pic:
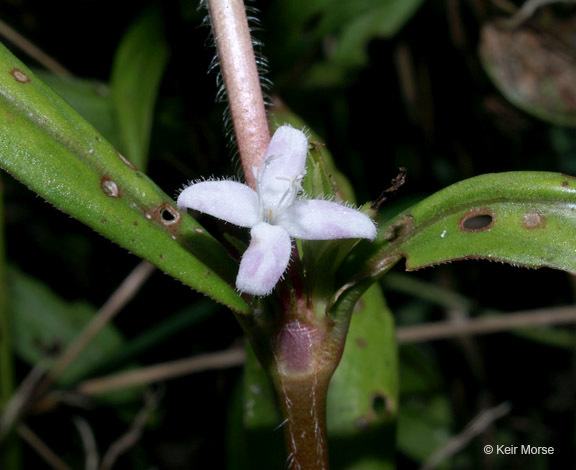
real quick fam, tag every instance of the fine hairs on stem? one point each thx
(240, 72)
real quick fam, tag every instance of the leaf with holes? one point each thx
(523, 218)
(363, 394)
(49, 147)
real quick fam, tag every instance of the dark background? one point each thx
(458, 126)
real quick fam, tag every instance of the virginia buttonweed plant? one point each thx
(303, 286)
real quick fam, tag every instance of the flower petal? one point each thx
(265, 260)
(324, 220)
(284, 163)
(228, 200)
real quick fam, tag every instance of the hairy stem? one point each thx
(238, 65)
(303, 403)
(305, 353)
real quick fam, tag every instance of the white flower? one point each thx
(276, 212)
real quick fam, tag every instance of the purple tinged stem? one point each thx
(238, 65)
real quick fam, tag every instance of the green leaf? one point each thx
(317, 182)
(420, 374)
(258, 442)
(138, 67)
(44, 324)
(236, 451)
(371, 19)
(424, 426)
(90, 98)
(523, 218)
(424, 416)
(363, 394)
(348, 26)
(48, 146)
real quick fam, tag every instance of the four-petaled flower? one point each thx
(275, 212)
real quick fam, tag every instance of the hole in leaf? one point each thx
(168, 214)
(477, 221)
(379, 404)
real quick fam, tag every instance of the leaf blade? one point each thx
(533, 221)
(42, 321)
(48, 146)
(138, 67)
(362, 401)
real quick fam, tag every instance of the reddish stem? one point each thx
(303, 403)
(238, 65)
(302, 357)
(305, 354)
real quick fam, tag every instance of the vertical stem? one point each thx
(303, 403)
(238, 65)
(305, 353)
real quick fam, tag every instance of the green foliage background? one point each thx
(386, 84)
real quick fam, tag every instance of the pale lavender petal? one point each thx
(324, 220)
(228, 200)
(265, 260)
(285, 162)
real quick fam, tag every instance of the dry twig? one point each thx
(408, 334)
(133, 434)
(41, 448)
(123, 294)
(32, 50)
(485, 325)
(169, 370)
(529, 8)
(14, 407)
(89, 443)
(476, 427)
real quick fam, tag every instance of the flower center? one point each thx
(287, 199)
(269, 212)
